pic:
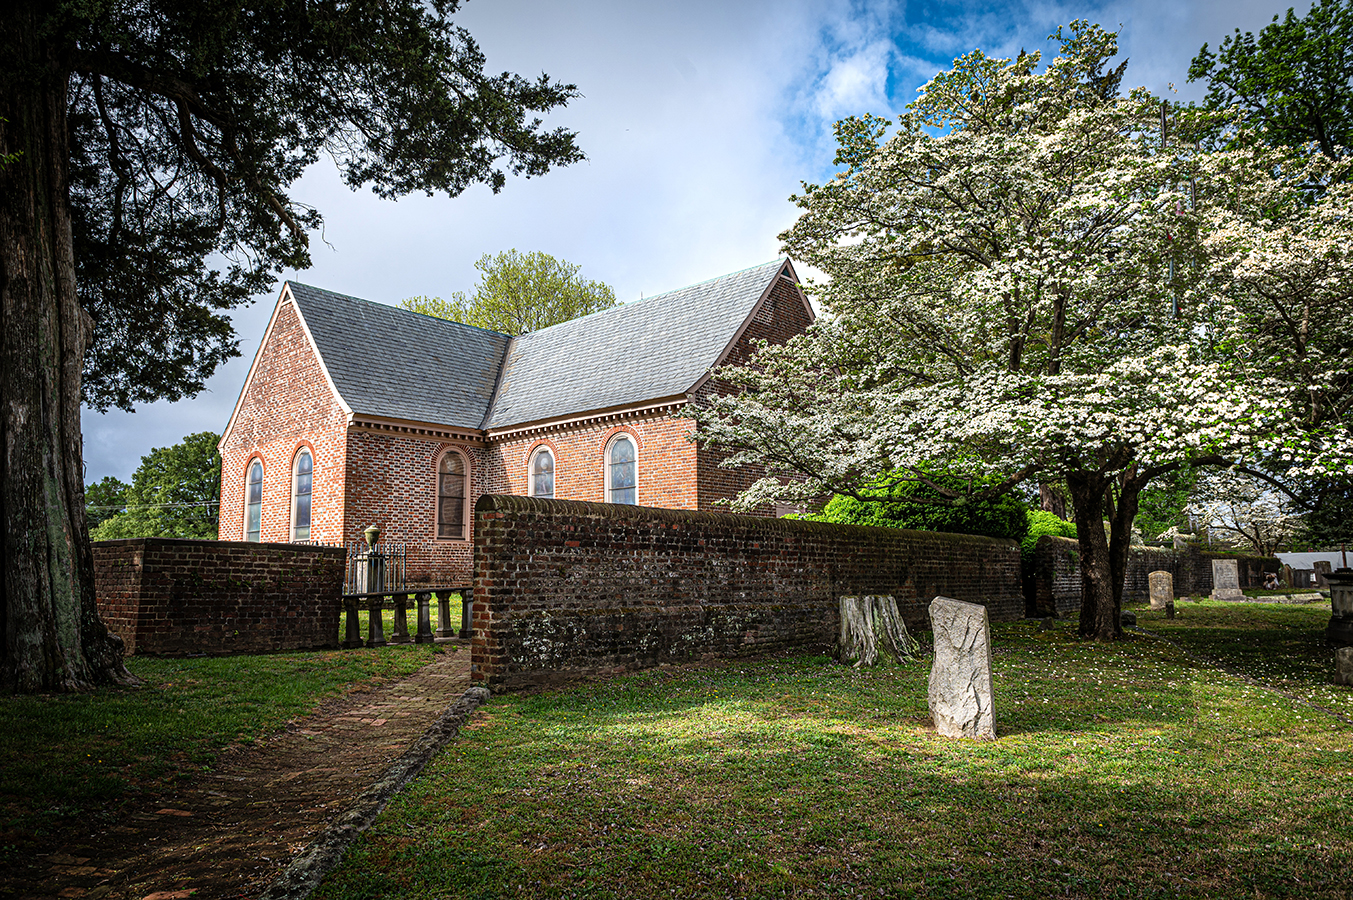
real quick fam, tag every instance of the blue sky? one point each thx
(699, 120)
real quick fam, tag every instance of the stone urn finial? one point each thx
(373, 534)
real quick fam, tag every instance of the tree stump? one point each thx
(868, 623)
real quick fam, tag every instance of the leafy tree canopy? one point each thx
(105, 499)
(189, 121)
(1022, 287)
(175, 492)
(520, 292)
(1296, 78)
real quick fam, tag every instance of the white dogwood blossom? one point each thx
(1022, 281)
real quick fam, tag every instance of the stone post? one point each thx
(401, 629)
(960, 677)
(424, 635)
(466, 614)
(444, 629)
(1340, 629)
(375, 628)
(352, 635)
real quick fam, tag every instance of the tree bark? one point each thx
(1101, 602)
(53, 639)
(868, 622)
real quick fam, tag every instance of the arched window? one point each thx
(253, 501)
(542, 473)
(302, 476)
(620, 474)
(451, 497)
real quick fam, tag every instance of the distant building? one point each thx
(356, 413)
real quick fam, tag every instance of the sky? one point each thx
(699, 120)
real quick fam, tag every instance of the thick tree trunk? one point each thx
(1101, 591)
(53, 638)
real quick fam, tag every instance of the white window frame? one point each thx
(262, 476)
(437, 497)
(606, 463)
(295, 464)
(543, 450)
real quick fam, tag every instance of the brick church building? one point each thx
(356, 413)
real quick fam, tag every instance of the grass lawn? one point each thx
(1125, 770)
(69, 756)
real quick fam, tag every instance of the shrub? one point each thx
(905, 507)
(1041, 522)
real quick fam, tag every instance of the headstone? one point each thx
(1287, 576)
(960, 678)
(1339, 632)
(1127, 619)
(1322, 568)
(1162, 588)
(1169, 609)
(1343, 665)
(1226, 580)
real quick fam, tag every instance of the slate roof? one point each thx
(657, 347)
(391, 362)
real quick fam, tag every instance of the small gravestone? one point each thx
(1226, 580)
(1162, 588)
(1343, 666)
(1322, 569)
(960, 678)
(1127, 619)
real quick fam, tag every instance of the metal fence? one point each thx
(369, 571)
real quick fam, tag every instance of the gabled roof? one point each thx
(391, 362)
(655, 348)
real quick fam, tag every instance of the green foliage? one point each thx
(1296, 78)
(175, 492)
(917, 505)
(520, 292)
(1040, 523)
(1160, 505)
(105, 499)
(1330, 520)
(189, 121)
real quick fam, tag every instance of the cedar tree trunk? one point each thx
(53, 638)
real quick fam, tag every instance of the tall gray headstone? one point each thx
(1162, 588)
(960, 677)
(1322, 569)
(1226, 580)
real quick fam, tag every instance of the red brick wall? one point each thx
(565, 588)
(392, 483)
(287, 404)
(173, 597)
(665, 474)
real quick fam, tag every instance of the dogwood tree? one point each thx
(1244, 510)
(1017, 286)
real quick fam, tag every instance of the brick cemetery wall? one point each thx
(1057, 574)
(178, 597)
(568, 588)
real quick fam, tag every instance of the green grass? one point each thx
(1125, 770)
(69, 756)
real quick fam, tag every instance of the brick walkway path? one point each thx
(232, 830)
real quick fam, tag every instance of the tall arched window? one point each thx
(451, 497)
(253, 501)
(620, 474)
(542, 473)
(301, 480)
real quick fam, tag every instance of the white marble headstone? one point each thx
(1226, 580)
(960, 677)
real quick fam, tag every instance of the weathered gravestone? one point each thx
(1162, 588)
(1343, 666)
(960, 678)
(1323, 567)
(1226, 580)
